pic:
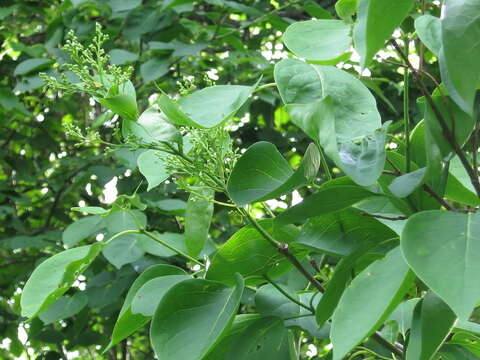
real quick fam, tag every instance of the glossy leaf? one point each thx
(255, 338)
(120, 56)
(30, 65)
(442, 248)
(460, 51)
(94, 210)
(203, 307)
(198, 216)
(337, 284)
(151, 293)
(376, 21)
(153, 168)
(208, 107)
(318, 40)
(81, 229)
(151, 127)
(250, 255)
(263, 173)
(53, 277)
(404, 185)
(155, 248)
(122, 101)
(459, 187)
(429, 30)
(333, 196)
(297, 82)
(341, 233)
(154, 68)
(432, 322)
(128, 322)
(463, 123)
(123, 250)
(346, 123)
(346, 8)
(270, 302)
(359, 313)
(64, 307)
(403, 315)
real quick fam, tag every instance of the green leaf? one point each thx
(270, 302)
(451, 113)
(213, 105)
(64, 307)
(459, 187)
(346, 123)
(30, 65)
(376, 21)
(120, 56)
(315, 10)
(81, 229)
(337, 284)
(153, 168)
(151, 127)
(118, 221)
(262, 173)
(442, 248)
(332, 196)
(432, 322)
(173, 111)
(460, 51)
(429, 30)
(123, 250)
(467, 340)
(154, 69)
(258, 172)
(94, 210)
(456, 352)
(127, 322)
(403, 315)
(346, 8)
(343, 232)
(318, 40)
(53, 277)
(250, 255)
(155, 248)
(297, 82)
(404, 185)
(151, 293)
(122, 101)
(254, 338)
(208, 107)
(368, 300)
(198, 216)
(123, 5)
(201, 307)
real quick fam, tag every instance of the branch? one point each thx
(283, 249)
(449, 135)
(385, 217)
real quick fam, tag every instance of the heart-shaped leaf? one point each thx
(359, 313)
(53, 277)
(443, 249)
(318, 40)
(200, 307)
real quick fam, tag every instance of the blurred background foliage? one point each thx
(171, 44)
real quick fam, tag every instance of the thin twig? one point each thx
(286, 294)
(283, 249)
(385, 217)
